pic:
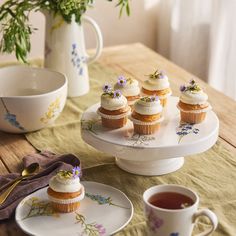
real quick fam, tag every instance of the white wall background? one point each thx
(139, 27)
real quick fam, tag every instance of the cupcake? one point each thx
(157, 84)
(129, 88)
(193, 103)
(114, 109)
(65, 190)
(146, 115)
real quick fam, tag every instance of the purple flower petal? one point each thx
(122, 81)
(106, 88)
(182, 88)
(192, 82)
(161, 74)
(76, 171)
(117, 94)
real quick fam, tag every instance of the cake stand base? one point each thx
(151, 168)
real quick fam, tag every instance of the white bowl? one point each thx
(30, 98)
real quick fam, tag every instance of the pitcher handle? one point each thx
(99, 40)
(211, 216)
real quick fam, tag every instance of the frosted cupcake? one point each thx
(146, 115)
(157, 84)
(65, 190)
(114, 109)
(193, 103)
(129, 88)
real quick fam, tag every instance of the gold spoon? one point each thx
(26, 173)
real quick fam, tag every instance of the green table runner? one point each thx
(212, 174)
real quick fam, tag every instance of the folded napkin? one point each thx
(49, 165)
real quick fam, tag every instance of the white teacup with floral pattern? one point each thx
(180, 222)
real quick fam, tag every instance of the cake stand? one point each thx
(156, 154)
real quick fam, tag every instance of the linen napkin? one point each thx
(49, 164)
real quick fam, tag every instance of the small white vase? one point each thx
(65, 51)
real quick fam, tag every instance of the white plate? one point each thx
(105, 210)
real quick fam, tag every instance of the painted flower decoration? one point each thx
(117, 94)
(106, 88)
(101, 230)
(174, 234)
(153, 221)
(122, 81)
(76, 172)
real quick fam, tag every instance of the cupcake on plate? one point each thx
(65, 190)
(129, 88)
(146, 115)
(157, 84)
(114, 109)
(193, 103)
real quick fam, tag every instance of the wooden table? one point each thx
(136, 60)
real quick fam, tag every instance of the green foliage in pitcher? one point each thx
(14, 20)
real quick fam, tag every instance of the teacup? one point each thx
(172, 210)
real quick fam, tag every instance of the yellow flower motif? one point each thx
(53, 110)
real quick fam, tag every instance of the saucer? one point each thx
(104, 211)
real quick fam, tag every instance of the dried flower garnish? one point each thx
(122, 81)
(106, 88)
(150, 99)
(76, 171)
(69, 174)
(158, 74)
(192, 87)
(117, 94)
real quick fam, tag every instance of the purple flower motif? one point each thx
(122, 81)
(101, 229)
(153, 221)
(76, 171)
(182, 88)
(117, 94)
(174, 234)
(106, 88)
(74, 46)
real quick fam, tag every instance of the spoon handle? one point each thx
(5, 194)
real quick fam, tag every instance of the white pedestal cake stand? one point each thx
(156, 154)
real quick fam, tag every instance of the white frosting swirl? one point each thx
(147, 108)
(196, 97)
(111, 104)
(156, 84)
(64, 185)
(131, 88)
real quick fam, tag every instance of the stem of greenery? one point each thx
(14, 20)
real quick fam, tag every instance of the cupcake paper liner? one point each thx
(139, 122)
(114, 124)
(113, 117)
(146, 129)
(195, 111)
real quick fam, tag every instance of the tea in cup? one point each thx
(172, 210)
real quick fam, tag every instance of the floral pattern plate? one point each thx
(104, 211)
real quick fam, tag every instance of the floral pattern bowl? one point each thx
(30, 98)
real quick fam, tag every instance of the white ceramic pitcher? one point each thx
(65, 51)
